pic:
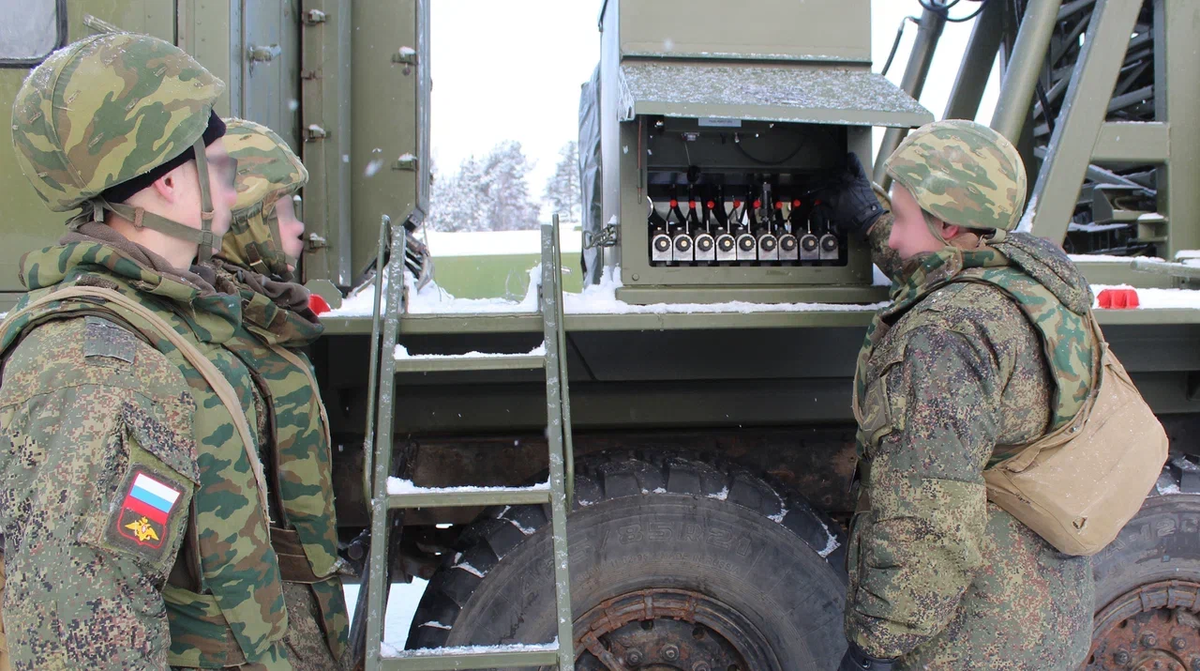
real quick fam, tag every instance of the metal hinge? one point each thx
(313, 16)
(609, 236)
(308, 75)
(406, 162)
(314, 132)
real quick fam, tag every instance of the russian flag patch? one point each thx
(148, 505)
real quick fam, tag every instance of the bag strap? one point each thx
(1031, 450)
(194, 356)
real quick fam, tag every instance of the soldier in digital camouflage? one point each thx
(954, 376)
(258, 258)
(133, 501)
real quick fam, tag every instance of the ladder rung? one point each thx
(436, 497)
(484, 657)
(460, 362)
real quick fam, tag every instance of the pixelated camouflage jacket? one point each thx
(228, 530)
(950, 373)
(296, 430)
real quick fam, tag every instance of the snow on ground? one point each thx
(402, 606)
(499, 243)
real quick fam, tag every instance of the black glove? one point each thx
(851, 199)
(857, 660)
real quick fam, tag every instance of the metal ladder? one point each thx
(378, 463)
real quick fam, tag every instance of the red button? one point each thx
(674, 203)
(317, 304)
(796, 203)
(1118, 299)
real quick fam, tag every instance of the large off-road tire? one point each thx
(676, 563)
(1148, 585)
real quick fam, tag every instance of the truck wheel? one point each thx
(676, 563)
(1148, 586)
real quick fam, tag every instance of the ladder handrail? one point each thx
(568, 443)
(373, 376)
(377, 587)
(551, 297)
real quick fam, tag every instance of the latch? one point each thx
(609, 236)
(316, 242)
(407, 56)
(314, 132)
(313, 16)
(406, 162)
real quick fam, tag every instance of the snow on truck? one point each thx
(655, 473)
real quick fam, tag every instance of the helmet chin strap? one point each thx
(203, 236)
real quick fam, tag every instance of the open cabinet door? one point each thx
(365, 122)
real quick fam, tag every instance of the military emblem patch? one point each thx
(144, 513)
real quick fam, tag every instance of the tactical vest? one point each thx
(240, 600)
(1065, 335)
(304, 532)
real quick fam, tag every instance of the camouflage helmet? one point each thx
(106, 109)
(963, 173)
(268, 170)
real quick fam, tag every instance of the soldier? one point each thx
(129, 474)
(953, 377)
(257, 260)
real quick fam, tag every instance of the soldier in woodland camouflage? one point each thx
(258, 257)
(985, 347)
(132, 496)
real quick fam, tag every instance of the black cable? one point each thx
(944, 10)
(781, 161)
(896, 44)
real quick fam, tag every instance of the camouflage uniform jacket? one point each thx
(295, 428)
(951, 373)
(115, 452)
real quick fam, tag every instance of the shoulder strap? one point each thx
(194, 356)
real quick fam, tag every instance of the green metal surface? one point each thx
(767, 92)
(445, 364)
(485, 659)
(1177, 97)
(27, 223)
(1024, 65)
(387, 118)
(392, 306)
(325, 104)
(556, 431)
(816, 30)
(1077, 128)
(977, 61)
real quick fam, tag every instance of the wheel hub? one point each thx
(1153, 628)
(668, 630)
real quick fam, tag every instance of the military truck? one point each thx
(712, 440)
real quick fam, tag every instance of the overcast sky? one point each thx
(512, 70)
